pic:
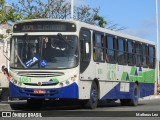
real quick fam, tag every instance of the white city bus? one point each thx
(68, 59)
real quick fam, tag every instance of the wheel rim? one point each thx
(93, 95)
(135, 95)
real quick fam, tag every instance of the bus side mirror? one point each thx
(87, 47)
(6, 47)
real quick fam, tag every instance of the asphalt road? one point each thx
(113, 109)
(62, 111)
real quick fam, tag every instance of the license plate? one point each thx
(39, 91)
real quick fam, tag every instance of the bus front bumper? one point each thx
(67, 92)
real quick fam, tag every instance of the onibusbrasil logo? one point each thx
(21, 114)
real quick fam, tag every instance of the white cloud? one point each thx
(144, 30)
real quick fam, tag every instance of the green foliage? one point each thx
(101, 21)
(31, 9)
(8, 31)
(10, 15)
(57, 9)
(1, 36)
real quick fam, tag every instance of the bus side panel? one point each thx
(86, 79)
(84, 89)
(146, 89)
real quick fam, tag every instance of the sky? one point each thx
(137, 16)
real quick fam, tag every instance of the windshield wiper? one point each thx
(20, 59)
(61, 36)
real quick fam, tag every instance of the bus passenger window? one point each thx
(110, 50)
(144, 58)
(151, 57)
(98, 51)
(121, 51)
(138, 50)
(130, 54)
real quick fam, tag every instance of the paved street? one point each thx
(59, 110)
(149, 104)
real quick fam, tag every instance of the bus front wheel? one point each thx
(93, 101)
(35, 103)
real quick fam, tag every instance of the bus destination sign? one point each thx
(44, 26)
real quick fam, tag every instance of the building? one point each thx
(3, 28)
(3, 61)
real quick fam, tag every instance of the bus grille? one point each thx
(40, 74)
(34, 84)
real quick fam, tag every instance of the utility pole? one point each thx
(157, 42)
(72, 9)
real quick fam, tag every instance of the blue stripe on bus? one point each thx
(70, 91)
(146, 89)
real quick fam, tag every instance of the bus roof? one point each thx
(96, 28)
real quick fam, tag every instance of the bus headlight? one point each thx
(73, 78)
(61, 84)
(15, 81)
(19, 83)
(67, 82)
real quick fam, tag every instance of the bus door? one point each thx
(86, 66)
(98, 55)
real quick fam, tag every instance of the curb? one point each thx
(151, 97)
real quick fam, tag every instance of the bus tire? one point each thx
(35, 103)
(5, 94)
(93, 101)
(135, 96)
(125, 102)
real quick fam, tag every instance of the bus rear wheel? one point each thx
(125, 102)
(135, 96)
(93, 101)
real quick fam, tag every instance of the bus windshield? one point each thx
(44, 52)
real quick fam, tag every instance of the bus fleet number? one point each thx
(25, 79)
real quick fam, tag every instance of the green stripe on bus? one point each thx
(133, 70)
(142, 77)
(124, 76)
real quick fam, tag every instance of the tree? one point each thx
(89, 15)
(9, 15)
(8, 31)
(101, 21)
(59, 9)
